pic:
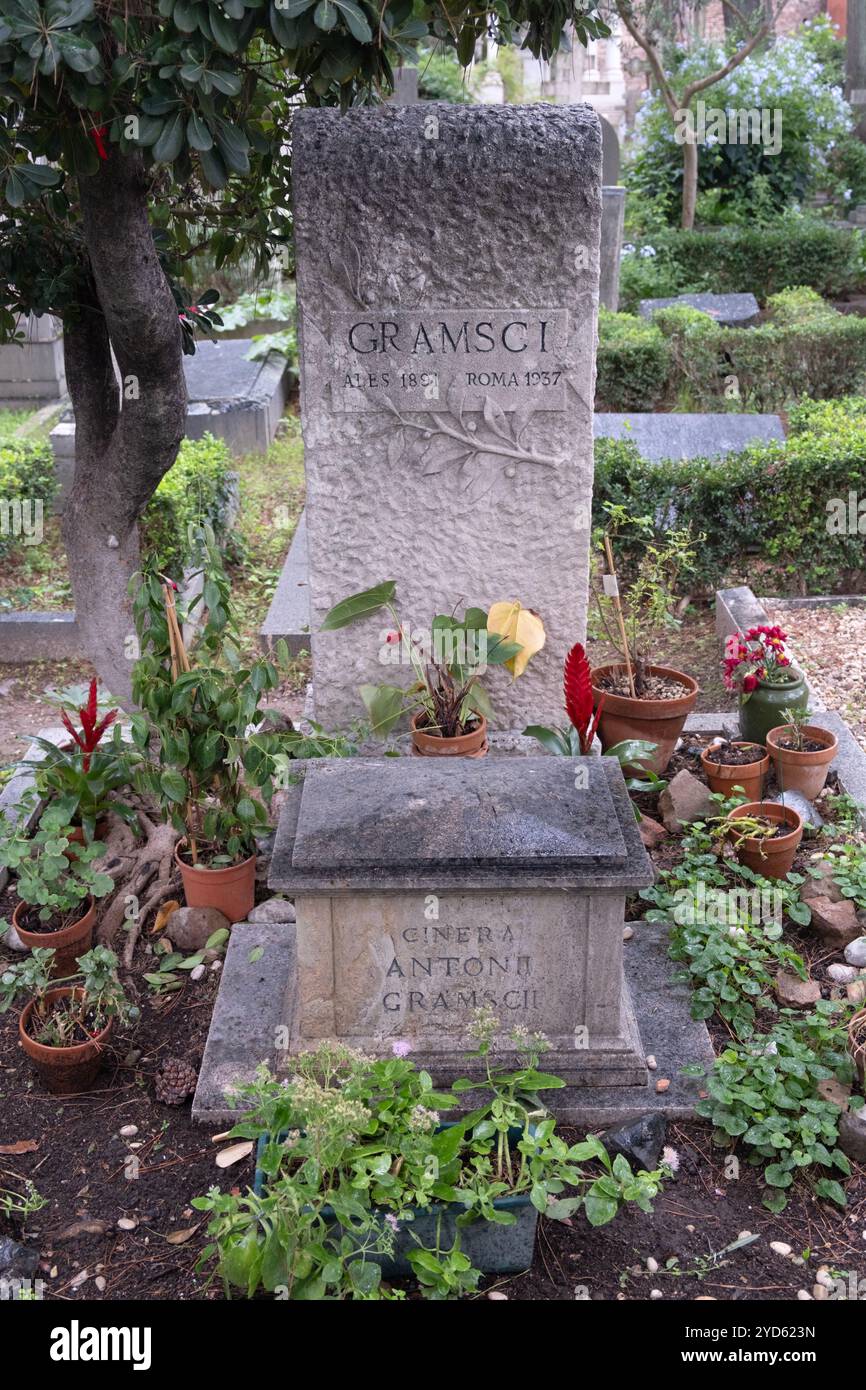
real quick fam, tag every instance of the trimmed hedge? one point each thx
(26, 476)
(633, 362)
(196, 489)
(805, 348)
(768, 506)
(763, 259)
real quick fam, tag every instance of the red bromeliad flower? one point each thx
(91, 730)
(755, 655)
(577, 687)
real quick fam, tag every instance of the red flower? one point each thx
(577, 688)
(749, 683)
(91, 731)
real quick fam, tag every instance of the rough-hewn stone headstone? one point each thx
(612, 221)
(447, 270)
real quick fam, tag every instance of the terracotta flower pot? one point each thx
(771, 858)
(802, 772)
(231, 891)
(63, 1069)
(69, 944)
(723, 777)
(472, 745)
(76, 834)
(659, 721)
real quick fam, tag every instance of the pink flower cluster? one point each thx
(752, 656)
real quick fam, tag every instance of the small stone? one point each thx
(197, 972)
(651, 1062)
(639, 1141)
(274, 910)
(496, 1296)
(824, 886)
(834, 1091)
(841, 974)
(685, 798)
(101, 1282)
(804, 1296)
(662, 1086)
(13, 940)
(651, 832)
(819, 1293)
(192, 927)
(780, 1247)
(127, 1223)
(852, 1135)
(856, 992)
(217, 967)
(652, 1264)
(823, 1277)
(655, 1294)
(16, 1261)
(794, 992)
(855, 952)
(690, 1229)
(802, 805)
(79, 1279)
(835, 922)
(627, 933)
(744, 1235)
(128, 1131)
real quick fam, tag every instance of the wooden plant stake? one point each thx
(612, 592)
(179, 662)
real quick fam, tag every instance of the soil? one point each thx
(808, 745)
(81, 1033)
(727, 755)
(655, 687)
(29, 919)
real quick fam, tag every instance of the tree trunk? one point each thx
(127, 433)
(690, 183)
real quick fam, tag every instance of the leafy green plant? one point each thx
(166, 979)
(196, 491)
(765, 1093)
(54, 873)
(353, 1153)
(27, 480)
(197, 754)
(18, 1206)
(632, 363)
(98, 996)
(446, 665)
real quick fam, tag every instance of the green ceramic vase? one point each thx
(763, 710)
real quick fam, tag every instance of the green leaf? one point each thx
(198, 136)
(355, 20)
(384, 705)
(170, 142)
(831, 1190)
(551, 739)
(358, 606)
(173, 785)
(256, 954)
(325, 15)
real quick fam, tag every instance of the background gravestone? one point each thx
(610, 153)
(612, 222)
(447, 272)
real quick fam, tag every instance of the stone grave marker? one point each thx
(612, 222)
(732, 310)
(447, 273)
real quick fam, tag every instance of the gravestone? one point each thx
(427, 889)
(609, 154)
(405, 86)
(731, 310)
(685, 436)
(447, 273)
(612, 221)
(33, 372)
(855, 87)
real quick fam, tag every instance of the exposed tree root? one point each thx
(144, 874)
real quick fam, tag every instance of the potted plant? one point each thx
(81, 777)
(735, 766)
(64, 1027)
(447, 704)
(358, 1178)
(201, 755)
(578, 740)
(765, 836)
(757, 666)
(802, 753)
(642, 700)
(56, 884)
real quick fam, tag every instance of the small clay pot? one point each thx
(802, 772)
(772, 858)
(472, 745)
(68, 944)
(658, 721)
(76, 834)
(231, 891)
(63, 1069)
(723, 777)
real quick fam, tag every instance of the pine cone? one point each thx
(175, 1080)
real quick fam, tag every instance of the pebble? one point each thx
(656, 1294)
(101, 1283)
(652, 1265)
(744, 1235)
(842, 974)
(627, 933)
(780, 1247)
(662, 1086)
(79, 1279)
(127, 1223)
(691, 1229)
(823, 1277)
(855, 952)
(804, 1296)
(497, 1297)
(216, 967)
(820, 1293)
(197, 972)
(128, 1131)
(651, 1062)
(274, 910)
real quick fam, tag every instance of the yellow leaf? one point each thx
(163, 915)
(181, 1237)
(517, 624)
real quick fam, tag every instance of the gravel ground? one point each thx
(830, 646)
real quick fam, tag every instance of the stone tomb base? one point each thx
(427, 889)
